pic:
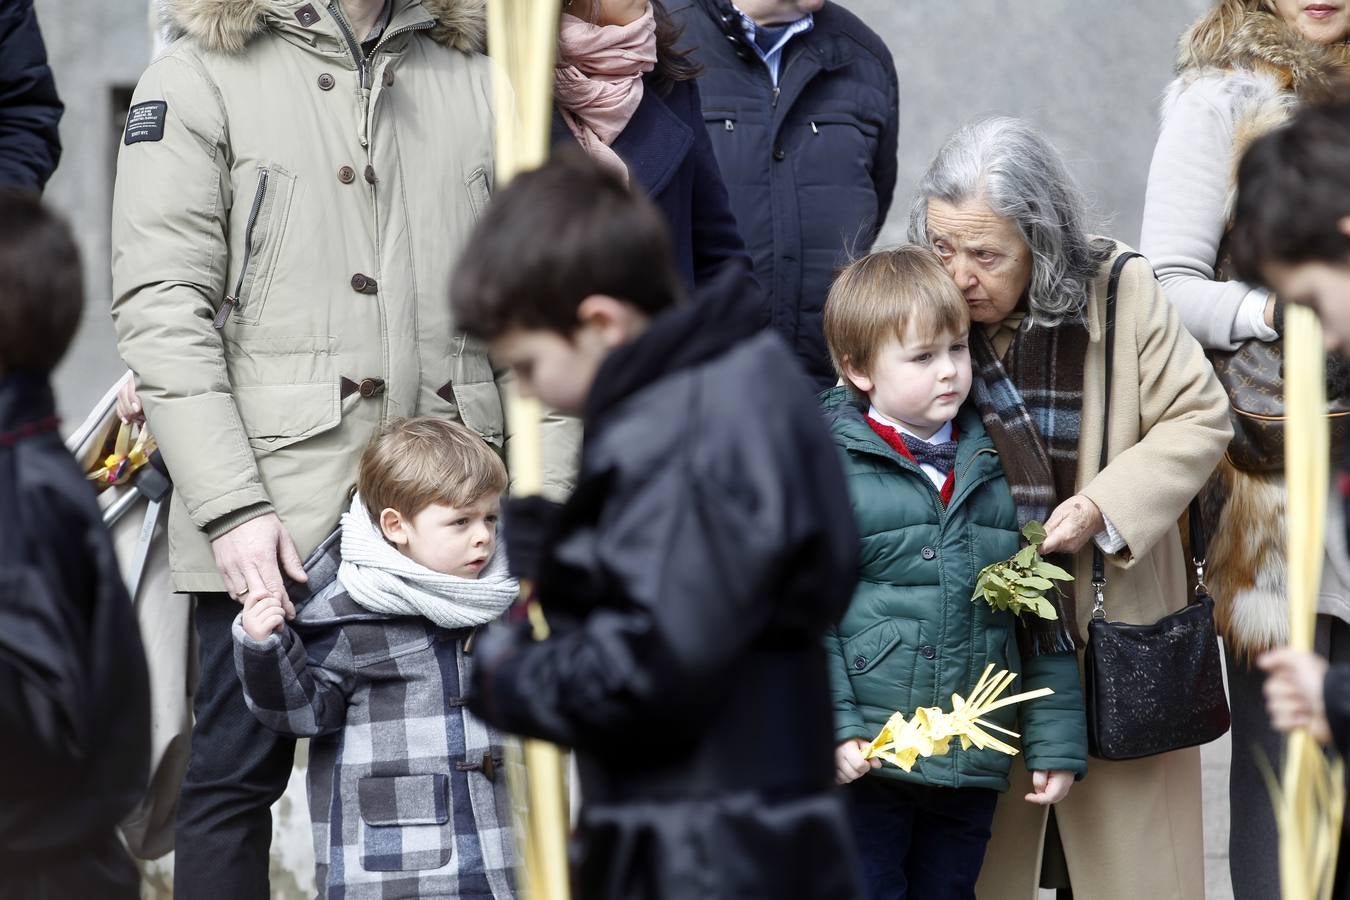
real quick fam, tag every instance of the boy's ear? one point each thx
(859, 379)
(393, 527)
(613, 320)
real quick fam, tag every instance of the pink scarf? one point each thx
(598, 80)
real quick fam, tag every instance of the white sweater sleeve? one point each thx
(1185, 214)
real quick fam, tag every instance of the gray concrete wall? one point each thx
(1089, 74)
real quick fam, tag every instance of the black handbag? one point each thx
(1151, 688)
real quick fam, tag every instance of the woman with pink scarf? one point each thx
(628, 97)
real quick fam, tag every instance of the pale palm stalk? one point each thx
(522, 38)
(1310, 801)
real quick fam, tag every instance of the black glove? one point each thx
(529, 527)
(489, 664)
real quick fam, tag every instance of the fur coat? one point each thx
(1263, 70)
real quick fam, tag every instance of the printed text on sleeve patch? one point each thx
(145, 122)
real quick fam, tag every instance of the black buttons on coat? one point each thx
(928, 651)
(370, 174)
(371, 387)
(928, 553)
(779, 154)
(364, 284)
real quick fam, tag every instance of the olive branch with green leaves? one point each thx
(1019, 584)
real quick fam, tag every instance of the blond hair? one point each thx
(411, 464)
(1206, 41)
(884, 295)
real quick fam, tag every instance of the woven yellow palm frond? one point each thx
(929, 731)
(1310, 800)
(522, 43)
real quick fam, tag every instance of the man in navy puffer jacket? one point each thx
(802, 104)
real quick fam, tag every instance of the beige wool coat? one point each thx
(1130, 829)
(285, 225)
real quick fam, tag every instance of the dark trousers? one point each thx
(236, 770)
(918, 842)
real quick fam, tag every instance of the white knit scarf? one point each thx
(382, 580)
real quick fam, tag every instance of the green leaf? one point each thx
(1036, 582)
(1046, 610)
(1050, 570)
(1034, 532)
(1026, 557)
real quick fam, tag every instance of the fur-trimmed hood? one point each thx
(226, 26)
(1264, 43)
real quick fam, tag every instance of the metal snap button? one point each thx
(927, 651)
(860, 662)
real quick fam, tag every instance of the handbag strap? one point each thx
(1196, 523)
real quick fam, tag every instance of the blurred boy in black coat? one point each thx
(74, 695)
(690, 577)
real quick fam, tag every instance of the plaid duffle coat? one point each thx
(406, 793)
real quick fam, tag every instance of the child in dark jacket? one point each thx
(74, 693)
(933, 508)
(690, 578)
(404, 790)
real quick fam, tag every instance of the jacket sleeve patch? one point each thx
(145, 122)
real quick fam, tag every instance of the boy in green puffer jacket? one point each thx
(933, 509)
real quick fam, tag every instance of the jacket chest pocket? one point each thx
(841, 141)
(264, 231)
(405, 822)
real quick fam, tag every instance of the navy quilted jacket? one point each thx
(810, 164)
(29, 108)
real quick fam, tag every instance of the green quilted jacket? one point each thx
(912, 636)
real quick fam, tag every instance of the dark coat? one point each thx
(74, 694)
(708, 547)
(30, 111)
(912, 636)
(668, 153)
(810, 165)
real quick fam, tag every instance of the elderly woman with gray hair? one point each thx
(998, 206)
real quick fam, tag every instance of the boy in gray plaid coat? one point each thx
(405, 792)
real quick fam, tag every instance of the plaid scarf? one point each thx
(1032, 408)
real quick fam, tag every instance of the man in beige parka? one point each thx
(295, 181)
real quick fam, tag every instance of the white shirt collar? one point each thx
(943, 434)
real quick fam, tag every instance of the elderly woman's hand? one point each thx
(1073, 523)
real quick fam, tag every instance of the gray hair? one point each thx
(1009, 165)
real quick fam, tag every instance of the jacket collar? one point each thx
(653, 144)
(25, 398)
(848, 423)
(1260, 40)
(725, 313)
(656, 141)
(227, 26)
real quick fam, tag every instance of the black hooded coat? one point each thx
(708, 546)
(74, 694)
